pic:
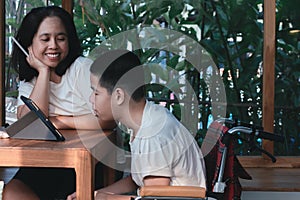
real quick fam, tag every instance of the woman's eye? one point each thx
(61, 39)
(45, 39)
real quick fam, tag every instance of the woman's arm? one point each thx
(88, 121)
(40, 92)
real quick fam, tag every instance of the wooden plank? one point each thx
(260, 162)
(68, 5)
(274, 179)
(268, 71)
(2, 62)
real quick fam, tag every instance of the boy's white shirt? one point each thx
(164, 147)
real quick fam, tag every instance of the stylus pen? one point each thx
(18, 44)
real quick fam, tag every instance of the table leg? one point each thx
(84, 176)
(109, 175)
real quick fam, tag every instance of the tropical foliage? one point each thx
(231, 31)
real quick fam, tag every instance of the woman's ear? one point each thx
(119, 96)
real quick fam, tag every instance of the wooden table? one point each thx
(76, 152)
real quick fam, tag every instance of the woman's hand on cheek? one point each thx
(35, 62)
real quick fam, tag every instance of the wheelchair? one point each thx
(223, 169)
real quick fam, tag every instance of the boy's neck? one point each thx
(134, 120)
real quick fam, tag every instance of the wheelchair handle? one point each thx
(258, 133)
(269, 136)
(242, 129)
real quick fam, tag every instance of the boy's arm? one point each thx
(111, 192)
(88, 121)
(156, 180)
(122, 186)
(101, 196)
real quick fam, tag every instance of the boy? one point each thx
(162, 149)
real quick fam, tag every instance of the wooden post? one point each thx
(68, 5)
(269, 71)
(2, 62)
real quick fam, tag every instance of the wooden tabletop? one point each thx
(272, 179)
(78, 151)
(76, 140)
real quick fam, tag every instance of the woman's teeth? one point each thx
(53, 55)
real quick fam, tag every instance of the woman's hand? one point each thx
(34, 62)
(3, 134)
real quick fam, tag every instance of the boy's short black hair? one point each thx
(120, 68)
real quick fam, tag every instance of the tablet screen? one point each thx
(34, 125)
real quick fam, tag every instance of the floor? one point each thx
(7, 173)
(259, 195)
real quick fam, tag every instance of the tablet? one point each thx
(34, 125)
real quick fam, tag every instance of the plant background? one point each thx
(230, 30)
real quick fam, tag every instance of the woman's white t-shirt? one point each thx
(70, 97)
(164, 147)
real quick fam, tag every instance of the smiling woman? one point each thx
(54, 75)
(46, 33)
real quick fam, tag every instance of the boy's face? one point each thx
(101, 100)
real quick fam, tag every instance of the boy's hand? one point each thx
(100, 195)
(73, 196)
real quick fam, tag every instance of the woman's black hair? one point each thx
(29, 28)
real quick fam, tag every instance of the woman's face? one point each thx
(50, 43)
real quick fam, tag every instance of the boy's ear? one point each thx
(119, 95)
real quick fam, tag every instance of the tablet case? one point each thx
(34, 125)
